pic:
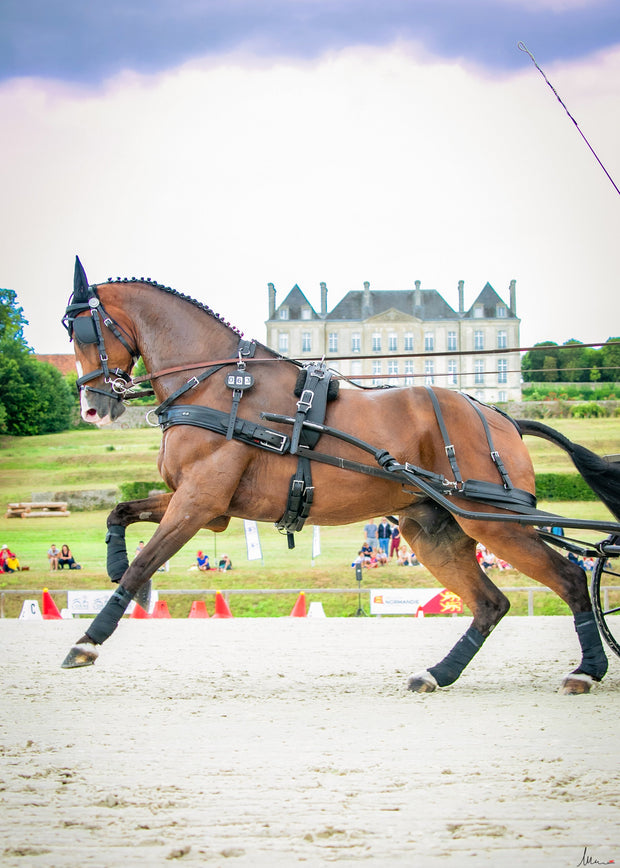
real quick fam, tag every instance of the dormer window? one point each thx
(284, 313)
(501, 312)
(478, 311)
(306, 313)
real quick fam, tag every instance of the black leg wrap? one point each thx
(594, 660)
(448, 670)
(117, 561)
(107, 620)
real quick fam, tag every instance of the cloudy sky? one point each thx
(218, 145)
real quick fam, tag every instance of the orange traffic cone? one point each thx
(198, 610)
(139, 612)
(50, 609)
(299, 609)
(221, 607)
(160, 610)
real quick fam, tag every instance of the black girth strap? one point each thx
(300, 497)
(217, 421)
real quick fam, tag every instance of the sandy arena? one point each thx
(262, 742)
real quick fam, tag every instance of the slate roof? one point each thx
(489, 299)
(432, 307)
(295, 301)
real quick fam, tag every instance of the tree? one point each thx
(534, 361)
(35, 398)
(610, 360)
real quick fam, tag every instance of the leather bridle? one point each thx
(90, 330)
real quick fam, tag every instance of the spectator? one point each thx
(384, 533)
(66, 559)
(371, 530)
(224, 564)
(139, 547)
(202, 560)
(53, 555)
(395, 541)
(8, 560)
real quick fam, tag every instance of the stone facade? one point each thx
(406, 337)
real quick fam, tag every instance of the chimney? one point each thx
(417, 297)
(272, 300)
(513, 297)
(323, 300)
(366, 301)
(461, 297)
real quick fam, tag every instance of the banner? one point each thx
(316, 541)
(408, 601)
(252, 541)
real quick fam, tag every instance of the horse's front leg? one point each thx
(178, 523)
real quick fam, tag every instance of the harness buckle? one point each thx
(193, 382)
(450, 452)
(271, 442)
(305, 402)
(495, 456)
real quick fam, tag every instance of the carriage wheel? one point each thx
(606, 596)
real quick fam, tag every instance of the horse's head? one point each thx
(103, 352)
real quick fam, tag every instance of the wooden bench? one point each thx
(38, 509)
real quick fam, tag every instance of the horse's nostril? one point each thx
(91, 412)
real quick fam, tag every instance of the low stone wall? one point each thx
(79, 501)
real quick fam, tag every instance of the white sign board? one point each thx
(252, 540)
(407, 601)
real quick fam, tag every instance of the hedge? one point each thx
(140, 490)
(563, 486)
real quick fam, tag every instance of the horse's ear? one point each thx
(80, 282)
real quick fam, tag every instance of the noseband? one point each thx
(91, 331)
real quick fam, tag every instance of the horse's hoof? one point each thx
(422, 682)
(576, 683)
(80, 655)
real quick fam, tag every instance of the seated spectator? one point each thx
(224, 564)
(484, 557)
(52, 556)
(66, 559)
(366, 550)
(8, 560)
(203, 561)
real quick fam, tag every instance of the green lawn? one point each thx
(92, 459)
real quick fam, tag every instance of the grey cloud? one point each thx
(81, 41)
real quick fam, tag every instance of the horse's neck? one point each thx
(172, 331)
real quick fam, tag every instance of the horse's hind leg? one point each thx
(450, 555)
(524, 549)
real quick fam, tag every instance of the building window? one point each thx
(478, 340)
(332, 342)
(452, 345)
(452, 373)
(283, 342)
(502, 370)
(284, 313)
(376, 373)
(429, 373)
(479, 372)
(502, 396)
(408, 372)
(502, 340)
(306, 313)
(478, 311)
(356, 370)
(376, 343)
(392, 343)
(356, 342)
(408, 342)
(392, 369)
(429, 342)
(501, 312)
(306, 342)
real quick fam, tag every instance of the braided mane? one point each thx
(181, 295)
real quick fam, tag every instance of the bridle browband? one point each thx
(91, 331)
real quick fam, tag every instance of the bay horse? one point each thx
(212, 474)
